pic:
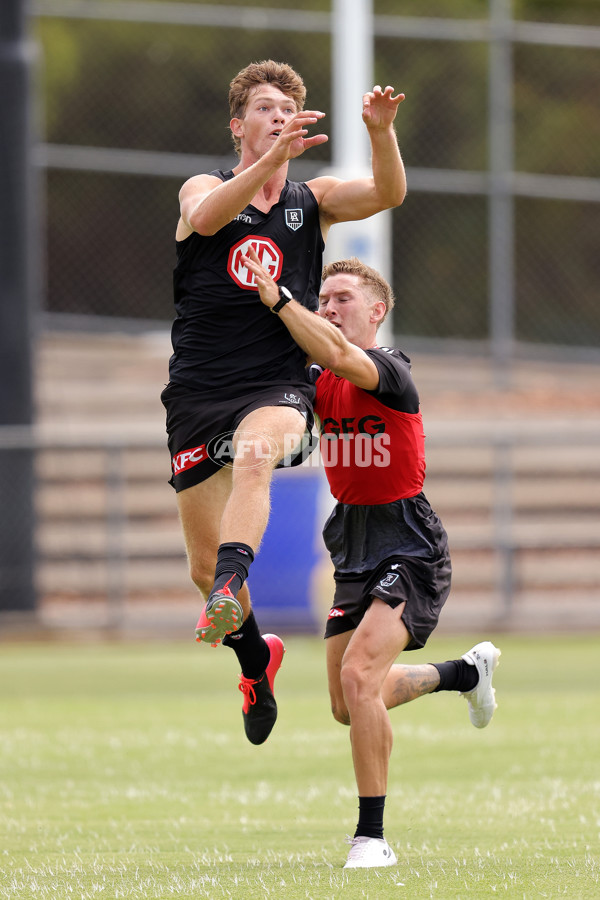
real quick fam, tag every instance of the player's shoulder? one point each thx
(390, 353)
(394, 367)
(298, 191)
(321, 184)
(202, 181)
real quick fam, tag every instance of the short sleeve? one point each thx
(396, 388)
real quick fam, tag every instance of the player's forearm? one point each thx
(321, 340)
(230, 198)
(389, 176)
(359, 198)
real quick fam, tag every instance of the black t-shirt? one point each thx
(223, 337)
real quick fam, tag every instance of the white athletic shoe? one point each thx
(368, 853)
(482, 699)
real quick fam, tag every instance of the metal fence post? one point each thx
(503, 517)
(501, 200)
(18, 275)
(116, 519)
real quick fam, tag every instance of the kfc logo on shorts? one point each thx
(269, 255)
(187, 459)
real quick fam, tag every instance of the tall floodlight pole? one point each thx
(352, 77)
(501, 201)
(18, 278)
(353, 74)
(502, 273)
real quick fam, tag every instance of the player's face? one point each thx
(346, 303)
(268, 111)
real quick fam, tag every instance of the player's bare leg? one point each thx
(366, 653)
(238, 514)
(471, 676)
(374, 646)
(200, 511)
(357, 664)
(263, 438)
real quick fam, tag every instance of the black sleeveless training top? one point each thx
(223, 337)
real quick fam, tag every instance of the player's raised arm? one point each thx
(341, 201)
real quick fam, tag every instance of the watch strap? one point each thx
(281, 302)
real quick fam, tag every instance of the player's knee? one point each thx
(203, 576)
(254, 456)
(354, 683)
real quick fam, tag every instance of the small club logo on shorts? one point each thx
(389, 580)
(335, 613)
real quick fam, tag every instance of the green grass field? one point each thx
(124, 772)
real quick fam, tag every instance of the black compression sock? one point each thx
(233, 564)
(370, 817)
(456, 675)
(250, 648)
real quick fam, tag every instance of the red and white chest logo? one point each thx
(268, 253)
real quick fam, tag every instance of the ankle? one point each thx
(233, 564)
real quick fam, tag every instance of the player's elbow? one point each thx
(394, 197)
(202, 218)
(400, 196)
(202, 225)
(335, 358)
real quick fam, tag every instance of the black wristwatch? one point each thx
(284, 297)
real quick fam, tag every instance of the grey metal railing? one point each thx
(502, 538)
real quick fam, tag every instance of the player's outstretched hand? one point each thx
(380, 107)
(293, 141)
(267, 288)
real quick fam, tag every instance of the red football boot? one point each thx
(221, 615)
(260, 709)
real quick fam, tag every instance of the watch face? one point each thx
(283, 292)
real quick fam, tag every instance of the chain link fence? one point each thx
(500, 135)
(134, 100)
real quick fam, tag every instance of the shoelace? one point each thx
(246, 686)
(358, 847)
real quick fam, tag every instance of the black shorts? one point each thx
(200, 426)
(423, 584)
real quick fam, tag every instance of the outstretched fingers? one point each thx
(380, 106)
(267, 288)
(294, 133)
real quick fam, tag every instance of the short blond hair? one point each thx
(265, 72)
(370, 277)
